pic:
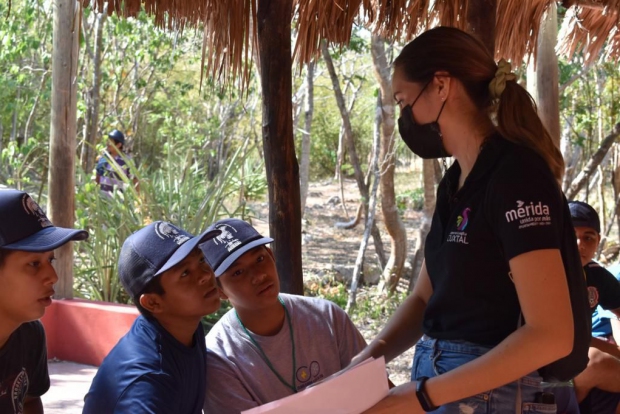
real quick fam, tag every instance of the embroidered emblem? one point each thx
(463, 220)
(593, 296)
(32, 208)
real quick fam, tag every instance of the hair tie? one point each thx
(498, 83)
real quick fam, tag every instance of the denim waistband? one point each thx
(450, 345)
(440, 346)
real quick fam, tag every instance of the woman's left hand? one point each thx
(401, 399)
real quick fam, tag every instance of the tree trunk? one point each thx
(350, 142)
(543, 77)
(374, 167)
(594, 162)
(428, 172)
(348, 130)
(274, 44)
(304, 172)
(395, 228)
(87, 156)
(60, 205)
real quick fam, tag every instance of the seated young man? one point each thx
(159, 365)
(271, 345)
(27, 243)
(598, 386)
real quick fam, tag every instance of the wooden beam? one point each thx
(60, 204)
(274, 44)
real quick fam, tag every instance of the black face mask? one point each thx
(424, 140)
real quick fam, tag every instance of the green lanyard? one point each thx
(290, 326)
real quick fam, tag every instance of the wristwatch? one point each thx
(420, 392)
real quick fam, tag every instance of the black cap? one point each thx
(152, 250)
(117, 136)
(584, 215)
(24, 225)
(236, 237)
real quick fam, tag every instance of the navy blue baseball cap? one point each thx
(152, 250)
(117, 136)
(236, 237)
(24, 225)
(584, 215)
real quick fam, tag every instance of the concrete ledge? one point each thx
(85, 331)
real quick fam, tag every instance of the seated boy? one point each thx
(159, 365)
(27, 243)
(597, 387)
(271, 345)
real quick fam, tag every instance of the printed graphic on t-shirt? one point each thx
(12, 393)
(307, 376)
(460, 236)
(529, 214)
(593, 296)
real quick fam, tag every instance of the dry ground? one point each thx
(330, 252)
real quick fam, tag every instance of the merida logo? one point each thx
(524, 210)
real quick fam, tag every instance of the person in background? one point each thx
(598, 386)
(27, 277)
(110, 176)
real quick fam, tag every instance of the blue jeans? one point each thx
(434, 357)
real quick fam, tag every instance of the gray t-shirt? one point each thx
(238, 377)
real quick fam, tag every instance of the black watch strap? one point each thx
(420, 392)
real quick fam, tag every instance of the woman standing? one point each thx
(491, 305)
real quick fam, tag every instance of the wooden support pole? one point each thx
(543, 75)
(274, 44)
(60, 205)
(481, 21)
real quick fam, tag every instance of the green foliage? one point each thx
(180, 191)
(209, 320)
(413, 199)
(371, 306)
(25, 56)
(20, 164)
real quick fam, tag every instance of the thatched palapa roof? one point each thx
(589, 27)
(230, 34)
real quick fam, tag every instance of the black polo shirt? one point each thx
(510, 204)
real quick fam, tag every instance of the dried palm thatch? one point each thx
(230, 38)
(591, 27)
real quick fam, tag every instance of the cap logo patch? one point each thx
(168, 231)
(226, 237)
(33, 209)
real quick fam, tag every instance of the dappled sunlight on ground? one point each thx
(69, 384)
